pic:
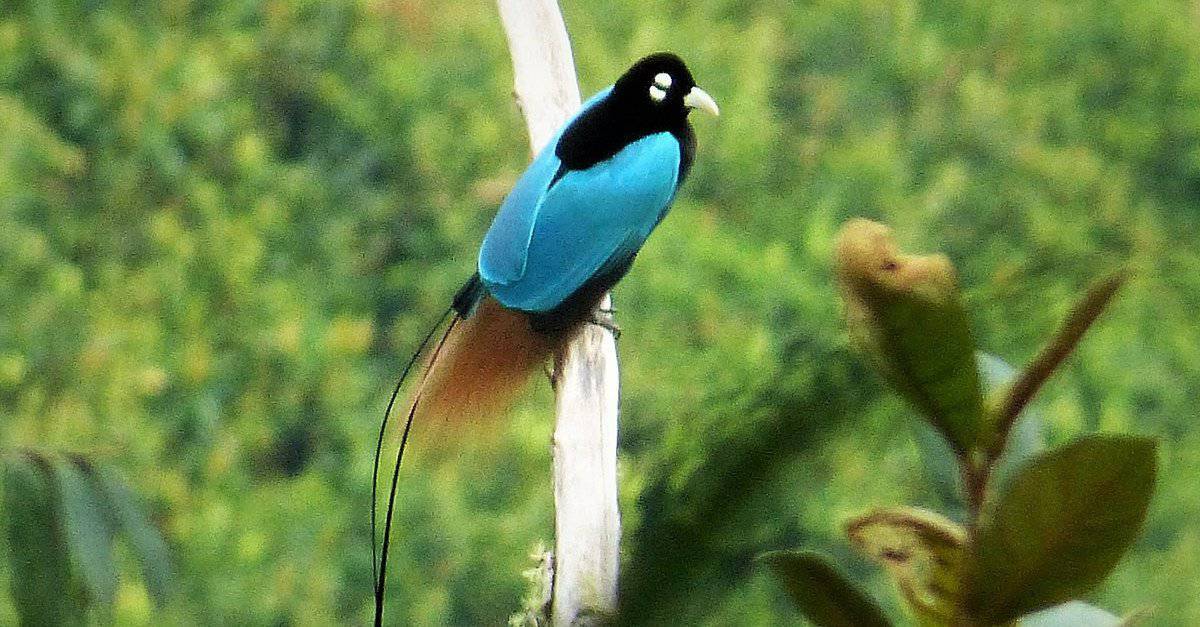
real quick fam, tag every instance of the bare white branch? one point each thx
(587, 524)
(543, 66)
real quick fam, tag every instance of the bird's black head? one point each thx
(660, 90)
(653, 96)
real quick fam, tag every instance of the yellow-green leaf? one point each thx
(923, 553)
(907, 314)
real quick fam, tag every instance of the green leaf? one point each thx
(1072, 614)
(147, 543)
(42, 586)
(88, 532)
(906, 312)
(939, 464)
(1061, 525)
(822, 592)
(923, 553)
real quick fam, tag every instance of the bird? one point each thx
(567, 232)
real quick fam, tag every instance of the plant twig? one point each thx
(1097, 298)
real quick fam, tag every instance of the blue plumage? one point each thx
(580, 213)
(551, 236)
(502, 255)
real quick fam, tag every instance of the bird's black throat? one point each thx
(612, 124)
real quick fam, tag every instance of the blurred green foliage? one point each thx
(66, 521)
(223, 226)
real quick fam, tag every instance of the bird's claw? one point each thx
(603, 318)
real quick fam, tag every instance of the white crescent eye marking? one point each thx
(656, 94)
(663, 81)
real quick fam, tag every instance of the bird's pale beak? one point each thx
(699, 99)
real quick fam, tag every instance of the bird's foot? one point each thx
(603, 318)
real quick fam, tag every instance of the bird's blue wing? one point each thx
(502, 257)
(543, 247)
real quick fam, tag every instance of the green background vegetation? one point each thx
(224, 226)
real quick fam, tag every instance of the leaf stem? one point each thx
(975, 485)
(1094, 302)
(975, 478)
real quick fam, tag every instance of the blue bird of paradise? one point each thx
(567, 232)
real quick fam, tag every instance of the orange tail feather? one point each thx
(485, 362)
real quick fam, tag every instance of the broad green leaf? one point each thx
(822, 592)
(1072, 614)
(923, 553)
(42, 586)
(906, 312)
(1061, 525)
(88, 531)
(147, 543)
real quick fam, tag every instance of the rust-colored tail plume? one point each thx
(473, 372)
(483, 364)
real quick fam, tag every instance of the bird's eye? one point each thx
(663, 81)
(656, 94)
